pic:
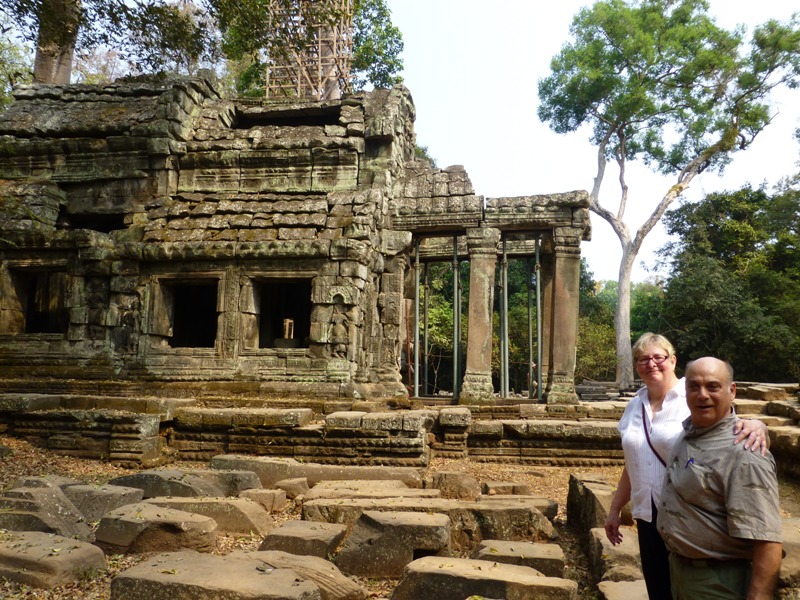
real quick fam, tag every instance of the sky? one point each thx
(472, 68)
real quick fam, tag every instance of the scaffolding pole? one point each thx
(456, 319)
(416, 319)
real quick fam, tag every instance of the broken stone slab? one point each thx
(588, 502)
(201, 482)
(271, 500)
(547, 506)
(93, 501)
(460, 578)
(45, 509)
(269, 470)
(47, 481)
(45, 560)
(311, 538)
(145, 527)
(455, 485)
(370, 488)
(471, 522)
(614, 563)
(187, 574)
(623, 590)
(293, 488)
(381, 544)
(235, 516)
(548, 559)
(332, 584)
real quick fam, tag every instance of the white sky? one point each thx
(472, 67)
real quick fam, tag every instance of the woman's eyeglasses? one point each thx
(643, 361)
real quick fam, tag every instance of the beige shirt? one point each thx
(717, 497)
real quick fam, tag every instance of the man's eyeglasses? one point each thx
(643, 361)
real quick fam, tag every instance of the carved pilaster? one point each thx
(477, 384)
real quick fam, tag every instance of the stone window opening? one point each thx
(34, 301)
(185, 313)
(276, 313)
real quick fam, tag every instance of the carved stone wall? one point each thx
(156, 231)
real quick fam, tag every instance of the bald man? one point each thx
(720, 513)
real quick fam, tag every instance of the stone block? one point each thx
(333, 585)
(309, 538)
(93, 501)
(381, 544)
(614, 563)
(345, 419)
(471, 522)
(623, 590)
(45, 509)
(174, 575)
(271, 500)
(588, 501)
(293, 488)
(457, 416)
(455, 485)
(505, 488)
(369, 488)
(270, 470)
(460, 578)
(170, 482)
(45, 560)
(144, 527)
(235, 516)
(548, 559)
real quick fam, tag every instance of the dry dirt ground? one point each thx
(550, 482)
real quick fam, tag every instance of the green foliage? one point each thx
(596, 357)
(734, 289)
(377, 45)
(421, 153)
(15, 64)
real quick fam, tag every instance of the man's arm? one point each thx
(766, 564)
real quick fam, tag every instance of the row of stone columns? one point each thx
(560, 278)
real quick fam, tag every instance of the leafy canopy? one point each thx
(660, 81)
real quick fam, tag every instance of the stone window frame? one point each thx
(11, 301)
(159, 321)
(248, 307)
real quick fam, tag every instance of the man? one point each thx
(720, 513)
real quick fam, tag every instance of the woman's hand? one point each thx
(754, 433)
(612, 528)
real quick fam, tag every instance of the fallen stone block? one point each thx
(623, 590)
(332, 584)
(548, 559)
(505, 488)
(176, 575)
(548, 507)
(471, 522)
(145, 527)
(293, 487)
(45, 509)
(271, 500)
(368, 489)
(46, 481)
(269, 470)
(311, 538)
(381, 544)
(614, 563)
(455, 485)
(93, 501)
(588, 501)
(45, 560)
(460, 578)
(170, 482)
(236, 516)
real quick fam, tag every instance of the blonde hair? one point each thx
(652, 339)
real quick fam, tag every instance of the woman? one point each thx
(649, 427)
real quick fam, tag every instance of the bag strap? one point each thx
(647, 435)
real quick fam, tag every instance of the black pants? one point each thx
(655, 559)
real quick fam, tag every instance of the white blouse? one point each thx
(644, 469)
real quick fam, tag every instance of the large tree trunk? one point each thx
(622, 319)
(55, 47)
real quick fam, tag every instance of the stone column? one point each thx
(564, 318)
(477, 387)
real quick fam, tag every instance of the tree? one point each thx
(734, 288)
(178, 35)
(659, 81)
